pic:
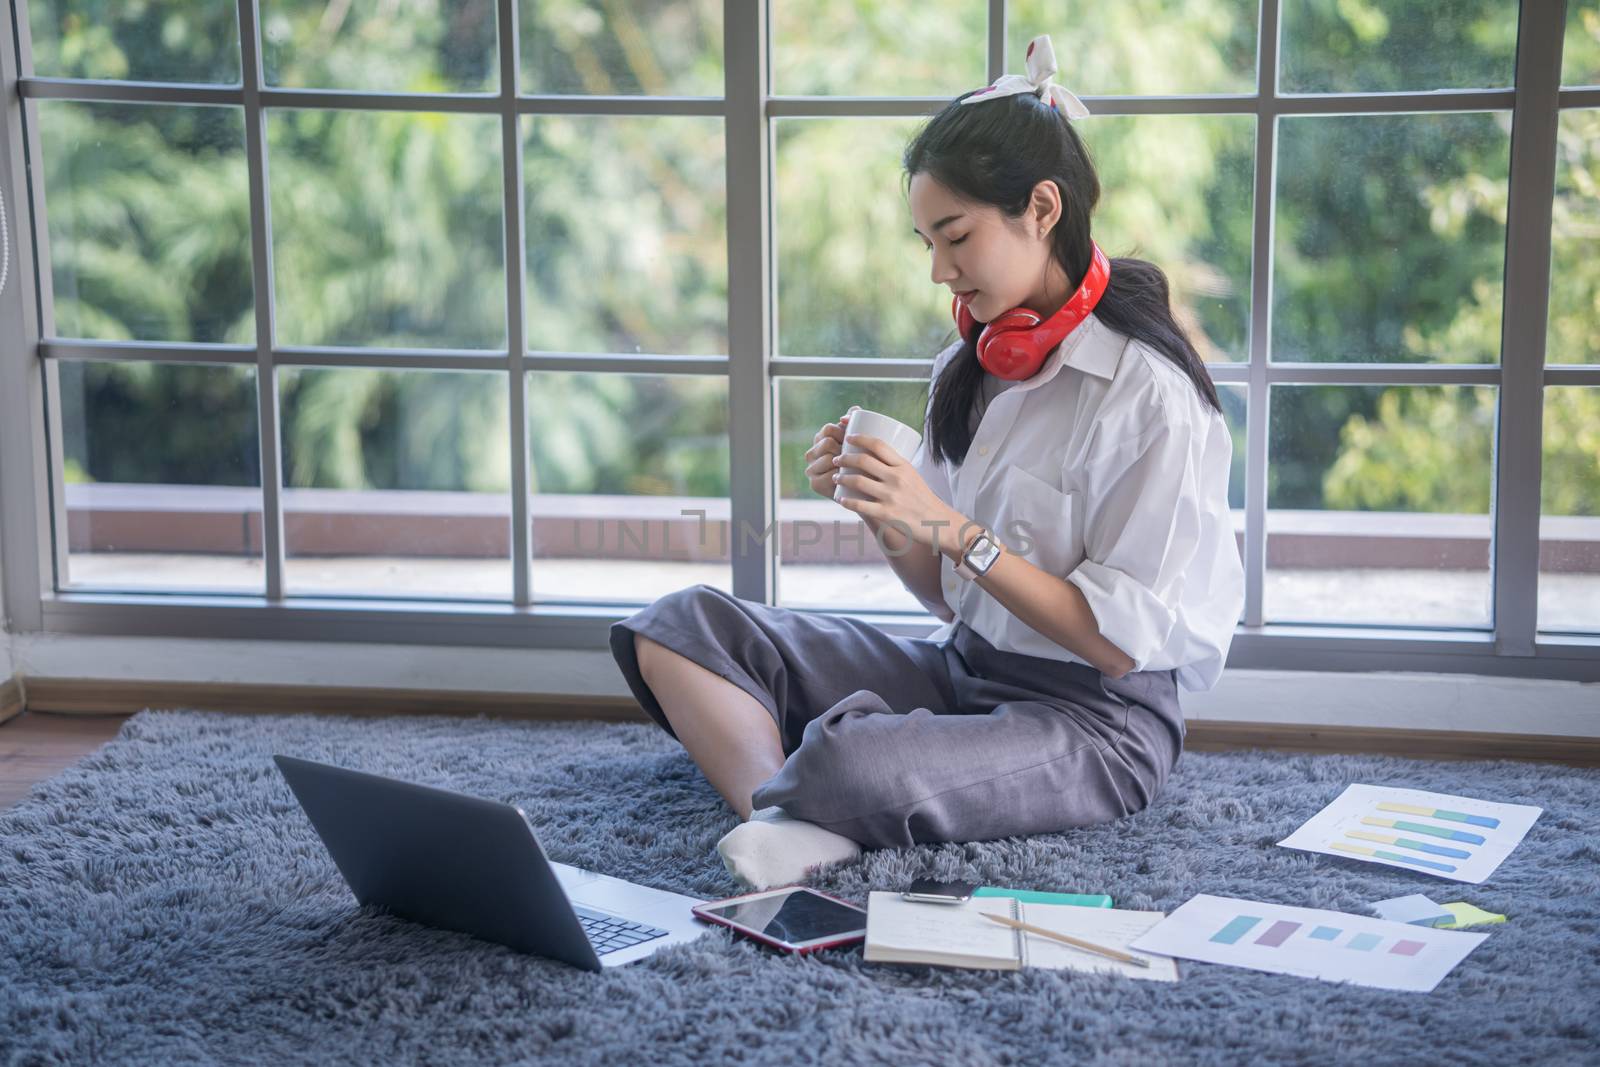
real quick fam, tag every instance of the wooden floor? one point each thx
(36, 745)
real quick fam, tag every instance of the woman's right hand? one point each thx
(828, 443)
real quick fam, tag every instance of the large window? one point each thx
(492, 320)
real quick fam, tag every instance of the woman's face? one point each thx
(1002, 262)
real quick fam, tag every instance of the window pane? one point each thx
(845, 291)
(402, 46)
(387, 229)
(1336, 46)
(148, 213)
(1235, 410)
(887, 48)
(397, 483)
(829, 559)
(157, 40)
(1141, 47)
(1580, 55)
(853, 280)
(1176, 190)
(1378, 503)
(627, 235)
(1390, 238)
(163, 477)
(1575, 220)
(622, 464)
(1569, 527)
(665, 48)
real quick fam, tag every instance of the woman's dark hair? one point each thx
(996, 153)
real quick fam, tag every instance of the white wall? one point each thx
(1397, 700)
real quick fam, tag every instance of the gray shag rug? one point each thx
(166, 901)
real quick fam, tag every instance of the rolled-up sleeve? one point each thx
(932, 471)
(928, 466)
(1141, 530)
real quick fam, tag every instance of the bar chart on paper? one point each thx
(1278, 932)
(1459, 838)
(1309, 942)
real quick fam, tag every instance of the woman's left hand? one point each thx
(894, 492)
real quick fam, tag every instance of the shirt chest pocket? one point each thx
(1038, 512)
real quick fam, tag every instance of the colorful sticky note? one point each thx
(1034, 896)
(1415, 909)
(1464, 914)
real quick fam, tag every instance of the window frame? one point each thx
(30, 417)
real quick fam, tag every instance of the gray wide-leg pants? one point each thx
(896, 740)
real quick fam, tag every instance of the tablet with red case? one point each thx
(795, 919)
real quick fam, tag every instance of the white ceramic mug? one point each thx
(900, 437)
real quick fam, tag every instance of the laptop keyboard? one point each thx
(609, 933)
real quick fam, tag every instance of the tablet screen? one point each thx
(794, 917)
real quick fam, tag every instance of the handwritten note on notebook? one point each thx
(1111, 927)
(948, 935)
(957, 935)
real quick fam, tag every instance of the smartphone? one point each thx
(792, 919)
(933, 891)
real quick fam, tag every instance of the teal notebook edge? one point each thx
(1033, 896)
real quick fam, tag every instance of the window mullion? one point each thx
(752, 506)
(25, 512)
(255, 135)
(1256, 408)
(516, 333)
(997, 39)
(52, 494)
(1524, 317)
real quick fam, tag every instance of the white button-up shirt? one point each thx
(1115, 469)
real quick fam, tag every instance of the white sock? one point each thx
(773, 849)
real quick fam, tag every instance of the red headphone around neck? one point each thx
(1015, 345)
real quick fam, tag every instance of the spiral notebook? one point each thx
(957, 935)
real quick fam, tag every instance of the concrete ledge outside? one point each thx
(322, 522)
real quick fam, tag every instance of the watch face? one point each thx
(983, 553)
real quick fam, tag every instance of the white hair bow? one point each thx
(1041, 67)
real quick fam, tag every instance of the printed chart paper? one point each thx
(1310, 943)
(1452, 837)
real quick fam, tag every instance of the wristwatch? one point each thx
(979, 556)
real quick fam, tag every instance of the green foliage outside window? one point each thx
(1389, 232)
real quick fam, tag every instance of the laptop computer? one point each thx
(475, 866)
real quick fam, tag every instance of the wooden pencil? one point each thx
(1087, 946)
